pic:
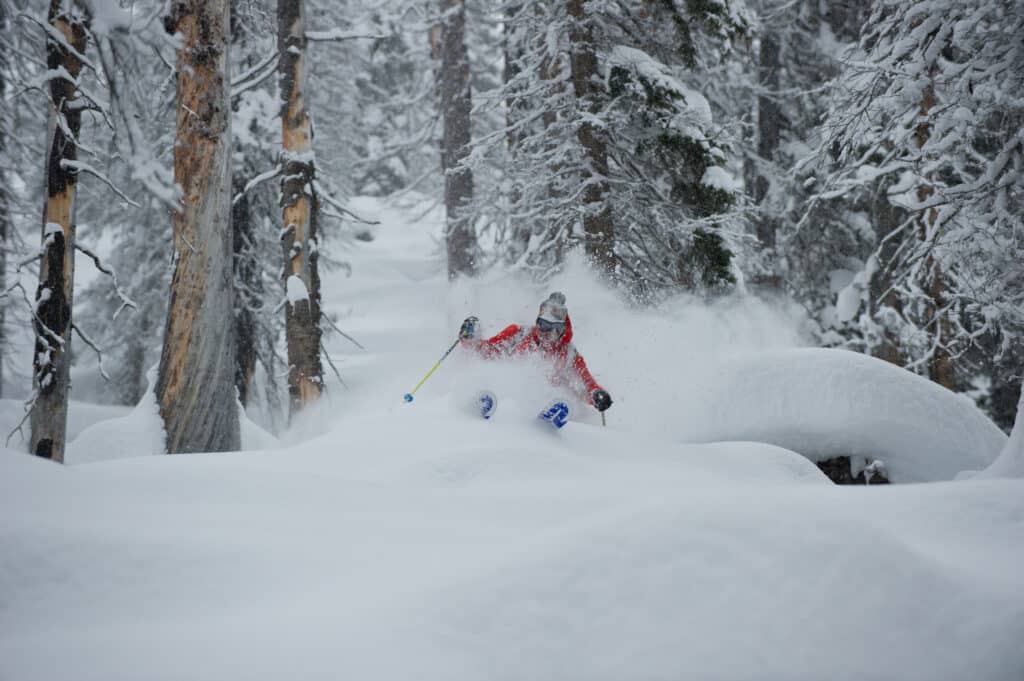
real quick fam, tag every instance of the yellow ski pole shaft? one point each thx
(408, 395)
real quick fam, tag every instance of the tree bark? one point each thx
(598, 228)
(247, 276)
(52, 359)
(940, 364)
(456, 102)
(299, 238)
(5, 205)
(883, 303)
(195, 387)
(769, 129)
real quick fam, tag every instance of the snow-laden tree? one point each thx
(608, 145)
(796, 52)
(929, 112)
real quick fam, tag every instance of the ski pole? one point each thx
(408, 395)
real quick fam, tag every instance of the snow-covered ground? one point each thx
(404, 541)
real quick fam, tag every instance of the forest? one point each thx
(786, 235)
(859, 160)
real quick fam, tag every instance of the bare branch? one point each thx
(125, 300)
(255, 182)
(331, 363)
(88, 341)
(344, 335)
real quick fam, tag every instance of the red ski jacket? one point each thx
(568, 367)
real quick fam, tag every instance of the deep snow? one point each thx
(401, 541)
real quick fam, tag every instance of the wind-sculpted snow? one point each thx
(827, 403)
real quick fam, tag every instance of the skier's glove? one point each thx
(468, 330)
(601, 399)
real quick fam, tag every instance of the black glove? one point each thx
(468, 330)
(601, 399)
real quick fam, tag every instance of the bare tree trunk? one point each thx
(299, 239)
(769, 127)
(598, 229)
(455, 107)
(246, 276)
(52, 359)
(196, 387)
(5, 204)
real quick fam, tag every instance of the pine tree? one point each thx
(922, 108)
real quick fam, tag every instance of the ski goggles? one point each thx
(544, 326)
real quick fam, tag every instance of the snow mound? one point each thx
(138, 433)
(826, 403)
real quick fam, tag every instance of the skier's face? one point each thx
(549, 332)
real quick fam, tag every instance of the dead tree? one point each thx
(195, 388)
(65, 46)
(299, 237)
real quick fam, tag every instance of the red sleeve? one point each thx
(580, 367)
(499, 345)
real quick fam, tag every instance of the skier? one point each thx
(550, 338)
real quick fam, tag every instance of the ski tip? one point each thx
(408, 397)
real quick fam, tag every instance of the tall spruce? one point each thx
(195, 388)
(921, 115)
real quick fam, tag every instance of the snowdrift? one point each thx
(826, 403)
(427, 544)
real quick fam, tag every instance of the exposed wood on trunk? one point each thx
(299, 238)
(196, 389)
(455, 108)
(52, 358)
(598, 228)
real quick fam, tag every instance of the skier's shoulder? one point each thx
(510, 331)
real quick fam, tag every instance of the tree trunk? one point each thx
(196, 387)
(940, 364)
(299, 239)
(247, 281)
(455, 108)
(884, 304)
(5, 205)
(52, 359)
(769, 127)
(598, 229)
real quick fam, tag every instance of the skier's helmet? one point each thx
(551, 317)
